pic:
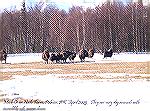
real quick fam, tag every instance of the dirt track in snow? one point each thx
(75, 68)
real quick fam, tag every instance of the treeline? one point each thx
(111, 25)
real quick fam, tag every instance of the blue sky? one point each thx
(63, 4)
(60, 3)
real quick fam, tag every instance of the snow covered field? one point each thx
(24, 58)
(61, 94)
(77, 95)
(122, 57)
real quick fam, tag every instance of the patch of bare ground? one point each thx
(85, 68)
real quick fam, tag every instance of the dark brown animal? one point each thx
(3, 55)
(65, 55)
(84, 53)
(62, 56)
(45, 56)
(72, 56)
(54, 57)
(108, 53)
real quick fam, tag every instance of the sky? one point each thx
(62, 4)
(10, 4)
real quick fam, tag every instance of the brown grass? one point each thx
(87, 68)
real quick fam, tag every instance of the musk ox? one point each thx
(108, 53)
(66, 55)
(3, 55)
(45, 56)
(62, 56)
(54, 57)
(84, 53)
(72, 56)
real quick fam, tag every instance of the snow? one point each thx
(24, 58)
(98, 58)
(49, 87)
(123, 57)
(79, 95)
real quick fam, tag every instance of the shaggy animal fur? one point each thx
(84, 53)
(108, 53)
(45, 56)
(3, 55)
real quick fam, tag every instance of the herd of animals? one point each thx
(62, 56)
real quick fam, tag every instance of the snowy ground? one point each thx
(122, 57)
(78, 95)
(61, 94)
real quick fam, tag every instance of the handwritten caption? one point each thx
(71, 102)
(24, 108)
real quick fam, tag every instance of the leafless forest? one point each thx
(124, 27)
